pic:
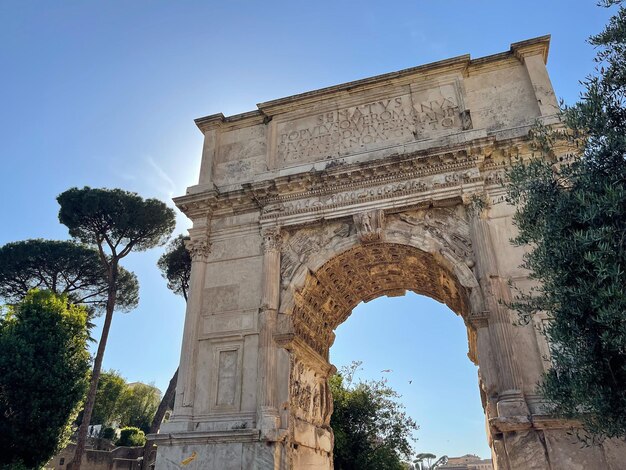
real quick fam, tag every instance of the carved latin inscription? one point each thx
(346, 130)
(372, 125)
(438, 109)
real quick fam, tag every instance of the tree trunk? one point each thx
(166, 402)
(81, 440)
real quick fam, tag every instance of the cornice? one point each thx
(539, 45)
(258, 196)
(267, 110)
(204, 437)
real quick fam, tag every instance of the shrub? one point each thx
(131, 437)
(108, 433)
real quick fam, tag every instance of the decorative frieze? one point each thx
(347, 184)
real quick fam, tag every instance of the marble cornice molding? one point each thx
(486, 156)
(197, 205)
(202, 437)
(539, 45)
(526, 422)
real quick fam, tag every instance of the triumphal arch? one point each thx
(313, 203)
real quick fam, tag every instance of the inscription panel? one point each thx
(423, 113)
(345, 131)
(438, 110)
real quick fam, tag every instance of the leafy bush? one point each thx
(372, 430)
(44, 367)
(108, 433)
(571, 214)
(131, 436)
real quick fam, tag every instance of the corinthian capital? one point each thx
(271, 239)
(199, 248)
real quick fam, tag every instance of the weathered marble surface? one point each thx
(315, 202)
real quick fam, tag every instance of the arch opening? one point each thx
(326, 299)
(363, 273)
(419, 346)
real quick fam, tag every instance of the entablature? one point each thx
(434, 173)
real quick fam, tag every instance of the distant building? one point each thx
(467, 462)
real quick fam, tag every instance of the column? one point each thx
(267, 409)
(199, 249)
(511, 401)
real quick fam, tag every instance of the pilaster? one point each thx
(495, 291)
(267, 409)
(199, 249)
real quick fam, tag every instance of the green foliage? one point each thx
(131, 437)
(64, 267)
(371, 428)
(108, 433)
(137, 404)
(44, 366)
(572, 213)
(424, 461)
(175, 266)
(121, 219)
(116, 222)
(126, 404)
(18, 465)
(111, 387)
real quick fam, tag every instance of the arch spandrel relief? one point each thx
(313, 203)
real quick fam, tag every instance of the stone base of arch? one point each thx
(544, 446)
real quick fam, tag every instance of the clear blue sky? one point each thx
(105, 93)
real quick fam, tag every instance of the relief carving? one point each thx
(363, 273)
(350, 197)
(301, 244)
(496, 177)
(369, 225)
(446, 226)
(310, 395)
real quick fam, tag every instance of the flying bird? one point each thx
(386, 370)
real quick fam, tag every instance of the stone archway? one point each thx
(324, 301)
(315, 202)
